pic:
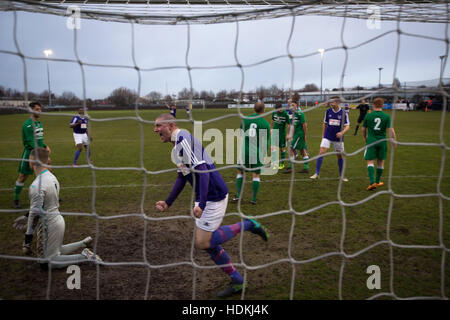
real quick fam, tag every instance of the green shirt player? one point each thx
(32, 135)
(254, 151)
(281, 121)
(374, 129)
(297, 136)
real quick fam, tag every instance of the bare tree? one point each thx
(184, 94)
(68, 99)
(221, 95)
(206, 95)
(154, 96)
(123, 97)
(310, 87)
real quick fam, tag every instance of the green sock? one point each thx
(306, 164)
(239, 180)
(255, 188)
(17, 190)
(379, 173)
(283, 156)
(371, 171)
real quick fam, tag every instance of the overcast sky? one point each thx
(213, 45)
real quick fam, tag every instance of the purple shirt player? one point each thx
(80, 124)
(335, 124)
(81, 136)
(211, 198)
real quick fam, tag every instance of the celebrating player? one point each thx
(44, 205)
(32, 136)
(280, 120)
(298, 138)
(211, 199)
(173, 109)
(374, 129)
(254, 151)
(335, 125)
(363, 109)
(80, 134)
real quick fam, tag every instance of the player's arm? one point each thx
(324, 127)
(178, 186)
(364, 133)
(28, 137)
(392, 135)
(202, 178)
(37, 195)
(74, 122)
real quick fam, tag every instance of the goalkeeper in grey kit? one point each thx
(44, 206)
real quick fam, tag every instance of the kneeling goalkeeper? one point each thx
(44, 205)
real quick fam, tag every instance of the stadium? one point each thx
(124, 64)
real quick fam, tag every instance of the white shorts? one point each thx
(212, 216)
(338, 145)
(81, 138)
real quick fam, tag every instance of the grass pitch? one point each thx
(301, 237)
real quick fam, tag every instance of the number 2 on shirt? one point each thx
(377, 125)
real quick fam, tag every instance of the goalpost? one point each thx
(189, 104)
(188, 12)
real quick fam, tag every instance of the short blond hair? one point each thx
(259, 107)
(378, 102)
(40, 154)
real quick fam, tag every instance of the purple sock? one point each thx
(225, 233)
(340, 164)
(221, 257)
(318, 164)
(77, 154)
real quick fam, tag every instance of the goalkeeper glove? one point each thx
(20, 223)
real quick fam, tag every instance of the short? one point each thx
(298, 142)
(251, 164)
(377, 151)
(338, 145)
(361, 118)
(24, 166)
(212, 215)
(81, 138)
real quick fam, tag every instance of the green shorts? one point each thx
(247, 165)
(298, 142)
(377, 151)
(252, 166)
(24, 166)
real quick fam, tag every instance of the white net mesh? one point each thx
(215, 11)
(187, 12)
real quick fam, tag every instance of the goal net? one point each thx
(292, 269)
